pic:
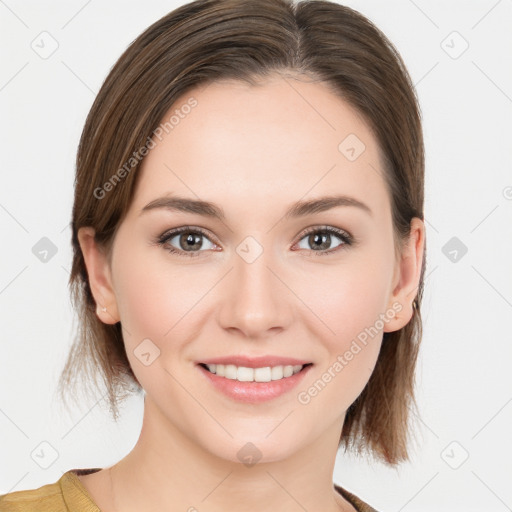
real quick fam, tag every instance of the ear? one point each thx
(406, 277)
(99, 275)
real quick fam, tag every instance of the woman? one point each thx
(249, 250)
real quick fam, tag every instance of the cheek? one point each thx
(348, 297)
(151, 302)
(158, 301)
(351, 302)
(153, 294)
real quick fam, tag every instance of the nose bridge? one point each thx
(256, 301)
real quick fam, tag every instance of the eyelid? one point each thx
(170, 233)
(325, 227)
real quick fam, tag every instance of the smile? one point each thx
(253, 385)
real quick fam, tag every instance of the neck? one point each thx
(167, 470)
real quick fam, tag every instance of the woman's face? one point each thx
(258, 282)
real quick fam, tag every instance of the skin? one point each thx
(253, 151)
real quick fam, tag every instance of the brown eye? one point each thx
(186, 241)
(324, 240)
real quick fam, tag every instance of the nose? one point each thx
(257, 301)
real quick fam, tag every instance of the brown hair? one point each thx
(208, 40)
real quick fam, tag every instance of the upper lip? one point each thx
(255, 362)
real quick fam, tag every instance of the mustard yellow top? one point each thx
(69, 495)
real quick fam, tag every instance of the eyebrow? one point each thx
(298, 209)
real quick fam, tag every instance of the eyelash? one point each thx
(162, 240)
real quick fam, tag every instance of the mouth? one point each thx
(253, 385)
(261, 374)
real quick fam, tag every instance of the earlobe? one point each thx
(99, 275)
(403, 297)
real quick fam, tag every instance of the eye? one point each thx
(187, 241)
(321, 238)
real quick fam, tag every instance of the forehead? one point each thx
(278, 138)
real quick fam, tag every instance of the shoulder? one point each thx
(356, 502)
(64, 495)
(45, 498)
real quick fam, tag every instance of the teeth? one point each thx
(243, 374)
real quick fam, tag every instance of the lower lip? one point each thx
(254, 392)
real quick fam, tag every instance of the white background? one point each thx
(464, 378)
